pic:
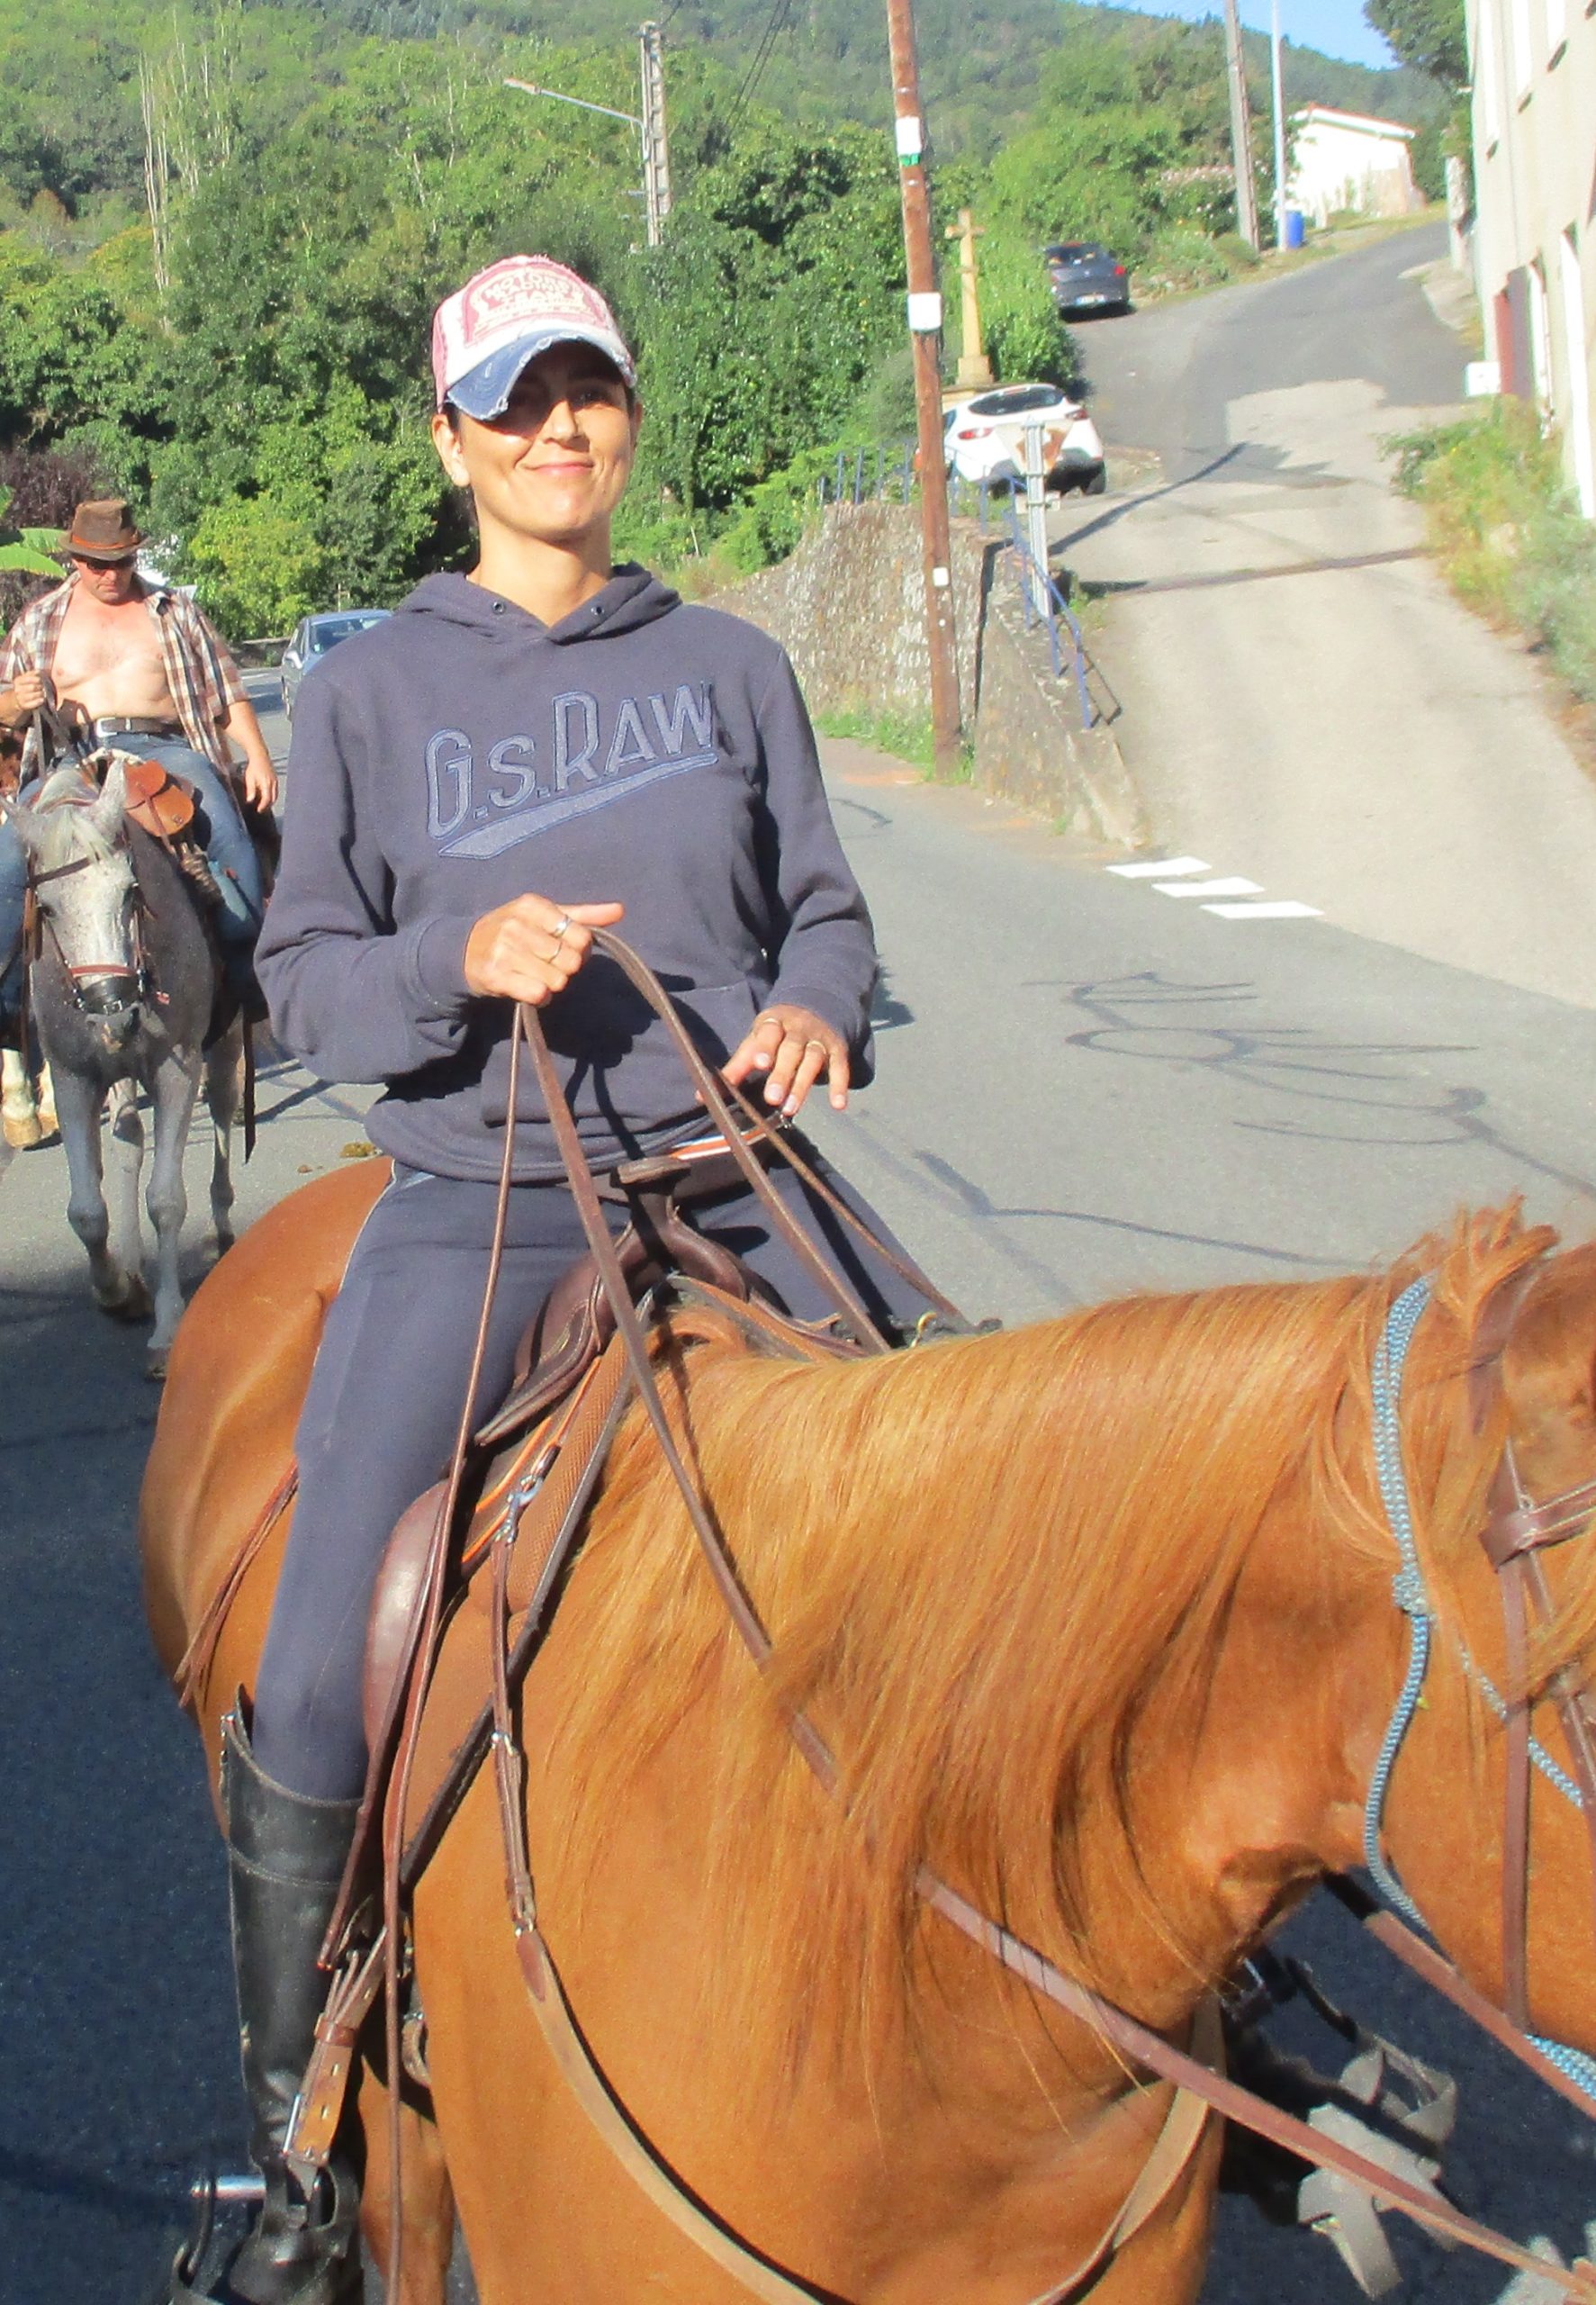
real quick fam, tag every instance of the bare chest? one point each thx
(108, 660)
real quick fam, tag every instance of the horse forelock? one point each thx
(64, 819)
(982, 1563)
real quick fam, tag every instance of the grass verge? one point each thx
(1508, 532)
(906, 736)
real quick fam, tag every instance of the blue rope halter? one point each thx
(1412, 1595)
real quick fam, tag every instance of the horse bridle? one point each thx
(77, 975)
(1515, 1531)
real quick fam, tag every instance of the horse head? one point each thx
(83, 880)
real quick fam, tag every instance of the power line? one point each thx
(779, 16)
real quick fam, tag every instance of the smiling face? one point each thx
(552, 469)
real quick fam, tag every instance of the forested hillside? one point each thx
(223, 227)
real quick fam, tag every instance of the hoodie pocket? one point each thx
(623, 1072)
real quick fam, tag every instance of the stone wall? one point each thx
(849, 608)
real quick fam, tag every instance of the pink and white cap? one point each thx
(484, 334)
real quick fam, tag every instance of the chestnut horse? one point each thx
(1097, 1618)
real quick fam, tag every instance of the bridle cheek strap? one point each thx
(1515, 1533)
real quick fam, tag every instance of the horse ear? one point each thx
(106, 813)
(22, 818)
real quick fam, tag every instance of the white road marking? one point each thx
(1177, 876)
(1232, 886)
(1285, 910)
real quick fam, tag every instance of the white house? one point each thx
(1345, 160)
(1533, 65)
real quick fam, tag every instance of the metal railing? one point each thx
(1045, 600)
(887, 474)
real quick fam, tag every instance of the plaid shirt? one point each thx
(202, 676)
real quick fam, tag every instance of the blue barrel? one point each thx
(1293, 228)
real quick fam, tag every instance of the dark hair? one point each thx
(454, 414)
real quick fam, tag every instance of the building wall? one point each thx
(1350, 163)
(1534, 64)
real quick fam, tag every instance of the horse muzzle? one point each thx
(112, 999)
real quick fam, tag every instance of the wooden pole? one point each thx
(926, 323)
(1241, 128)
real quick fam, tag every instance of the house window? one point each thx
(1577, 350)
(1491, 108)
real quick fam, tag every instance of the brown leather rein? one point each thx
(378, 1967)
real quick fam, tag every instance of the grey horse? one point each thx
(123, 990)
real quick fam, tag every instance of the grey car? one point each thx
(313, 637)
(1086, 278)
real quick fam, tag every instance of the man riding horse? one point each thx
(126, 662)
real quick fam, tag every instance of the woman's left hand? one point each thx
(793, 1048)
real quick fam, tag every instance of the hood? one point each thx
(632, 598)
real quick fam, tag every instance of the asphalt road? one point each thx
(1085, 1088)
(1304, 703)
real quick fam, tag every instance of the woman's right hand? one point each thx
(530, 948)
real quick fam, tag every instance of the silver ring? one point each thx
(558, 931)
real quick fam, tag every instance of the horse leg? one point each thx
(117, 1291)
(176, 1085)
(224, 1071)
(124, 1130)
(428, 2198)
(24, 1128)
(45, 1104)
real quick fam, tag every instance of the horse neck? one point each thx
(1256, 1790)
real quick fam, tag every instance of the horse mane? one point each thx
(981, 1561)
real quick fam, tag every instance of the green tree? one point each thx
(1430, 35)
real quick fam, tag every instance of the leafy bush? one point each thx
(1178, 257)
(1507, 530)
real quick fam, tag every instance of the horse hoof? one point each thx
(23, 1134)
(134, 1304)
(155, 1364)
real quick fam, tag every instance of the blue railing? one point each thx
(886, 475)
(1043, 597)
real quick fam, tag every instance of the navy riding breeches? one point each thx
(384, 1399)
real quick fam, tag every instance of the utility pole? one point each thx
(975, 370)
(1240, 129)
(925, 321)
(1278, 90)
(657, 154)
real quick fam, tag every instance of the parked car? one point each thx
(313, 637)
(985, 438)
(1086, 278)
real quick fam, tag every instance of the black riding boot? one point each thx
(285, 1859)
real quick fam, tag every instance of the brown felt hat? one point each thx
(102, 531)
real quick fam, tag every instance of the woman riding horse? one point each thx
(549, 723)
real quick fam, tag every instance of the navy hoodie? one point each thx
(462, 753)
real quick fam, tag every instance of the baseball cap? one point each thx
(484, 334)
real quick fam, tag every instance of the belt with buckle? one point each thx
(117, 724)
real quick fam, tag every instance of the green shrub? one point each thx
(1506, 530)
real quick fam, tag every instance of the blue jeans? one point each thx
(219, 826)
